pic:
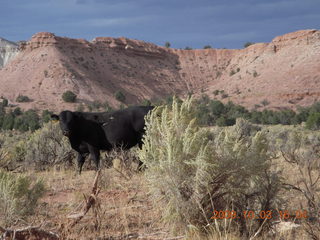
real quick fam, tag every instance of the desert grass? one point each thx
(125, 210)
(123, 206)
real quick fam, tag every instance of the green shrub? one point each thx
(120, 96)
(18, 196)
(216, 92)
(94, 106)
(47, 146)
(5, 102)
(45, 72)
(265, 102)
(17, 111)
(80, 108)
(313, 121)
(12, 150)
(201, 171)
(2, 110)
(221, 121)
(146, 102)
(216, 107)
(247, 44)
(300, 149)
(69, 96)
(224, 95)
(8, 121)
(27, 121)
(46, 116)
(107, 107)
(22, 98)
(232, 72)
(38, 150)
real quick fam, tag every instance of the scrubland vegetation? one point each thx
(246, 181)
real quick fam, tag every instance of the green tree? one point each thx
(20, 125)
(120, 96)
(207, 47)
(107, 106)
(8, 121)
(302, 114)
(167, 44)
(216, 92)
(2, 110)
(247, 44)
(313, 121)
(22, 98)
(203, 116)
(232, 72)
(17, 111)
(216, 107)
(46, 116)
(5, 102)
(146, 102)
(69, 96)
(31, 119)
(80, 108)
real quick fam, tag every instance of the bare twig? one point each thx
(90, 202)
(122, 174)
(28, 233)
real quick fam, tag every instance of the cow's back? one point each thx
(125, 127)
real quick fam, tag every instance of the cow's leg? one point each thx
(140, 143)
(95, 154)
(81, 159)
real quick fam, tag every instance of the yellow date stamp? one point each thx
(250, 214)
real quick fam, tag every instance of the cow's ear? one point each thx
(55, 117)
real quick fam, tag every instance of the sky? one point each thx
(182, 23)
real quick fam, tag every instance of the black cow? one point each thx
(92, 132)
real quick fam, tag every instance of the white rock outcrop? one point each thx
(8, 50)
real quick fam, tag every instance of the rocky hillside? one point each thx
(7, 51)
(283, 73)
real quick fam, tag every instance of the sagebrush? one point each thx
(44, 147)
(18, 196)
(191, 171)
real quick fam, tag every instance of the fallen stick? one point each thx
(91, 201)
(28, 233)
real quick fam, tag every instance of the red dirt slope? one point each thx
(285, 72)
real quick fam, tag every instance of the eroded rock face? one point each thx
(8, 50)
(284, 72)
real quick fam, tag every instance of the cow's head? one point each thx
(67, 122)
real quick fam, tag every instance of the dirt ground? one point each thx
(123, 210)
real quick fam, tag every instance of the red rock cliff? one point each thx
(285, 72)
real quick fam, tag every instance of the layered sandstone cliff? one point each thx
(285, 72)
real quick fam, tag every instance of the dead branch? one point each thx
(89, 202)
(28, 233)
(122, 174)
(152, 236)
